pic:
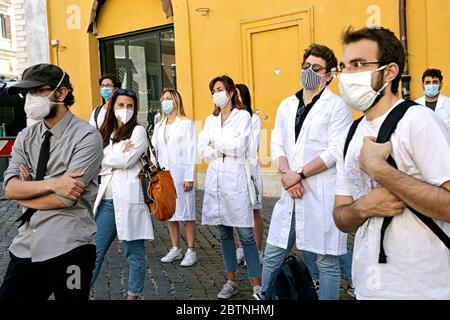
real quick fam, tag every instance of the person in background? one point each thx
(245, 99)
(433, 99)
(175, 142)
(345, 264)
(224, 142)
(109, 83)
(119, 207)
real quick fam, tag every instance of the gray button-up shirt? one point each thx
(75, 146)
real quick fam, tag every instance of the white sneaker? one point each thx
(172, 255)
(190, 258)
(227, 291)
(240, 255)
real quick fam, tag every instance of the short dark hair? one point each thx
(321, 51)
(390, 49)
(434, 73)
(245, 96)
(230, 87)
(116, 82)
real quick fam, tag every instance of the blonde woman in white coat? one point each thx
(224, 142)
(174, 141)
(119, 207)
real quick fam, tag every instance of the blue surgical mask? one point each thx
(167, 106)
(106, 92)
(431, 90)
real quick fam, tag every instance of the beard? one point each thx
(53, 110)
(379, 83)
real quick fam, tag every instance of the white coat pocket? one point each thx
(132, 191)
(318, 128)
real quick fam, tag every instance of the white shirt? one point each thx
(442, 108)
(168, 129)
(100, 119)
(418, 263)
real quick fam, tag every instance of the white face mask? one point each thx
(221, 99)
(356, 89)
(124, 115)
(37, 107)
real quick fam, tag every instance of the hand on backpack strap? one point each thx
(373, 155)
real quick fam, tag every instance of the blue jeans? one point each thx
(345, 264)
(328, 266)
(134, 250)
(248, 244)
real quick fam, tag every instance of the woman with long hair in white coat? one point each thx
(119, 207)
(174, 141)
(258, 229)
(225, 143)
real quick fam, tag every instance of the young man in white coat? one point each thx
(407, 261)
(433, 99)
(304, 145)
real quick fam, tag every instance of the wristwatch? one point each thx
(300, 172)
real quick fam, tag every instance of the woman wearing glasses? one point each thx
(224, 143)
(109, 83)
(119, 207)
(174, 141)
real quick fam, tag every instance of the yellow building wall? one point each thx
(214, 37)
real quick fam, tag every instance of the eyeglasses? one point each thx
(126, 92)
(356, 66)
(35, 92)
(315, 67)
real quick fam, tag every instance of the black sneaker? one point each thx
(316, 284)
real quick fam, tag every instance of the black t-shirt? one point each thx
(431, 105)
(302, 110)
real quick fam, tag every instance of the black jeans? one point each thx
(68, 276)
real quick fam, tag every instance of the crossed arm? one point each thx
(399, 190)
(59, 192)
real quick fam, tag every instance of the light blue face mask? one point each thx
(167, 106)
(431, 90)
(106, 92)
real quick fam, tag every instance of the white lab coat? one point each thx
(442, 108)
(256, 133)
(133, 219)
(226, 201)
(320, 135)
(178, 156)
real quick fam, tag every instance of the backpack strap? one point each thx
(96, 113)
(351, 133)
(386, 130)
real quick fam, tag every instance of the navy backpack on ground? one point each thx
(291, 281)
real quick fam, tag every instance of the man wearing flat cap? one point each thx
(52, 175)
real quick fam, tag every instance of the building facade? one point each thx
(8, 60)
(257, 42)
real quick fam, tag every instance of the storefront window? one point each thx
(145, 62)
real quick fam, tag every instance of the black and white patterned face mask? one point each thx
(311, 79)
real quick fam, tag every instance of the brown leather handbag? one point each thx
(157, 186)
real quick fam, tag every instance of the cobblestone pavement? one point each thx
(165, 281)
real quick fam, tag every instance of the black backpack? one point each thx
(96, 112)
(291, 281)
(386, 130)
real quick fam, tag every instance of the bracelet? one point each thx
(302, 175)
